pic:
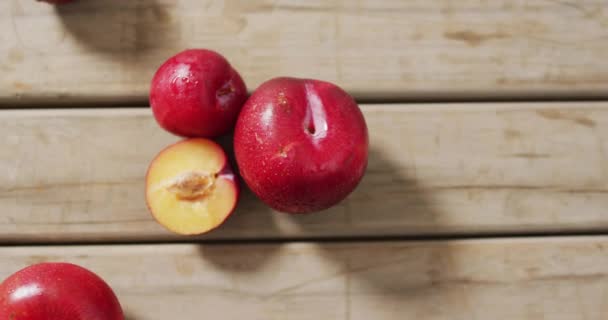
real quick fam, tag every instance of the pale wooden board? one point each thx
(106, 51)
(77, 175)
(526, 279)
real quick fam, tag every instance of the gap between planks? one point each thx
(104, 103)
(321, 240)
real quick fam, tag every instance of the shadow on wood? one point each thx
(116, 28)
(388, 201)
(128, 314)
(388, 191)
(376, 270)
(249, 262)
(251, 214)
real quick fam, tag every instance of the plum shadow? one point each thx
(128, 315)
(399, 271)
(118, 29)
(412, 202)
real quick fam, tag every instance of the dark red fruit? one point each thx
(57, 291)
(196, 93)
(301, 145)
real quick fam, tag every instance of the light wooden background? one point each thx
(522, 176)
(78, 174)
(106, 51)
(558, 278)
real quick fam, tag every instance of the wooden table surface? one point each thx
(486, 195)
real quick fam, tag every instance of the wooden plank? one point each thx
(106, 51)
(527, 279)
(77, 175)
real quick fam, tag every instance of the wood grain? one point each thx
(527, 279)
(77, 175)
(106, 51)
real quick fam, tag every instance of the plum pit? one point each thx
(192, 185)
